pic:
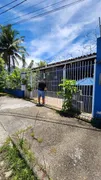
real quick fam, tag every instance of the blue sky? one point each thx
(67, 33)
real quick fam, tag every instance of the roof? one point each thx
(64, 62)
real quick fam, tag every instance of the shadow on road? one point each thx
(94, 127)
(96, 123)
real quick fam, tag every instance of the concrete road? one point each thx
(10, 124)
(71, 148)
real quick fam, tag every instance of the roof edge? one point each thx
(60, 63)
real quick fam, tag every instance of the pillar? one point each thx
(96, 111)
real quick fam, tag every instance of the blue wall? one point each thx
(16, 92)
(97, 83)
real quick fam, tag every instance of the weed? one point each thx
(21, 143)
(32, 135)
(25, 147)
(23, 130)
(53, 150)
(40, 140)
(30, 156)
(18, 166)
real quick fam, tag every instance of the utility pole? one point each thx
(100, 25)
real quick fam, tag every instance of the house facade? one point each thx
(73, 69)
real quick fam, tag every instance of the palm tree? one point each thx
(24, 64)
(41, 64)
(31, 64)
(10, 46)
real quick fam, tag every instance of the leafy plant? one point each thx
(19, 168)
(21, 143)
(32, 135)
(68, 88)
(29, 87)
(24, 81)
(40, 140)
(13, 81)
(3, 74)
(41, 64)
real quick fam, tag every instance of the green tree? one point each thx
(41, 64)
(2, 64)
(23, 61)
(13, 80)
(31, 64)
(24, 64)
(11, 48)
(3, 74)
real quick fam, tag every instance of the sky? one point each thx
(65, 34)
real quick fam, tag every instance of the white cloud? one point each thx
(54, 35)
(67, 25)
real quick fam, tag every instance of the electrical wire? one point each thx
(8, 4)
(12, 7)
(38, 10)
(26, 9)
(48, 12)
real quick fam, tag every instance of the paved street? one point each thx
(71, 148)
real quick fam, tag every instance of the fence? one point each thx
(53, 79)
(73, 71)
(77, 71)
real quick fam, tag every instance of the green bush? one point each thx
(29, 87)
(13, 81)
(24, 81)
(3, 75)
(68, 88)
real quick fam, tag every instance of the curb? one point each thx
(38, 171)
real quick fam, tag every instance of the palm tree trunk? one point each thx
(13, 63)
(9, 68)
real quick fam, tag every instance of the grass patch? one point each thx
(20, 170)
(40, 140)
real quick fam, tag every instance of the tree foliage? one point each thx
(41, 64)
(11, 48)
(13, 80)
(3, 74)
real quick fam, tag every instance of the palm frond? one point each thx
(31, 64)
(16, 61)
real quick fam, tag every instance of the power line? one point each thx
(26, 9)
(12, 7)
(8, 4)
(48, 12)
(39, 9)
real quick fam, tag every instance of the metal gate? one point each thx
(82, 70)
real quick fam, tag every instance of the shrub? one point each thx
(13, 81)
(68, 88)
(3, 74)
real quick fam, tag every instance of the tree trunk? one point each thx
(13, 63)
(9, 68)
